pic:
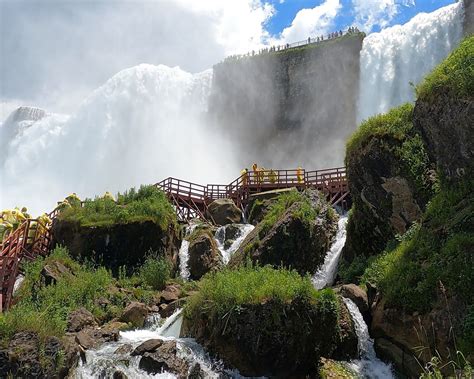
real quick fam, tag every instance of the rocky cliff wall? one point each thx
(291, 107)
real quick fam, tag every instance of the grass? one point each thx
(455, 75)
(147, 204)
(438, 251)
(305, 210)
(44, 309)
(155, 271)
(223, 291)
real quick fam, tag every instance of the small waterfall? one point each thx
(325, 275)
(222, 237)
(401, 54)
(102, 363)
(368, 366)
(183, 252)
(19, 279)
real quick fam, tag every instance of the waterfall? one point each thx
(368, 366)
(324, 277)
(144, 124)
(183, 252)
(401, 54)
(103, 362)
(228, 244)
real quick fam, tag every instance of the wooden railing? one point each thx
(192, 199)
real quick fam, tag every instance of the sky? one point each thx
(53, 53)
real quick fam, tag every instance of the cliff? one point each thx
(262, 100)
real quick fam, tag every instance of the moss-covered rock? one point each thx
(296, 232)
(390, 180)
(264, 321)
(204, 254)
(118, 245)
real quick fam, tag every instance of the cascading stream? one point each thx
(234, 243)
(368, 366)
(404, 54)
(325, 275)
(184, 252)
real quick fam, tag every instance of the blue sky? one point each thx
(287, 10)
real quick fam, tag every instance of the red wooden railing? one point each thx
(191, 200)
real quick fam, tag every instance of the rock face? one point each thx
(357, 295)
(387, 195)
(446, 126)
(53, 271)
(261, 339)
(117, 245)
(299, 82)
(292, 241)
(203, 253)
(224, 211)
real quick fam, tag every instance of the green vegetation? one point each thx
(44, 308)
(226, 290)
(305, 210)
(333, 369)
(455, 75)
(147, 204)
(436, 256)
(155, 271)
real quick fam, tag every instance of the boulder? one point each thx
(224, 211)
(135, 313)
(93, 338)
(71, 354)
(172, 292)
(204, 254)
(119, 375)
(259, 204)
(357, 295)
(124, 349)
(164, 358)
(53, 271)
(166, 310)
(148, 346)
(292, 241)
(24, 356)
(79, 319)
(261, 339)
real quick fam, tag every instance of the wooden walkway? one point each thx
(191, 200)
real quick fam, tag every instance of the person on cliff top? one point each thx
(255, 171)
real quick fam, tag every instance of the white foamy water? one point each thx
(401, 54)
(324, 277)
(221, 238)
(183, 252)
(144, 124)
(368, 366)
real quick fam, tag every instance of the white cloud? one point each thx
(311, 22)
(371, 13)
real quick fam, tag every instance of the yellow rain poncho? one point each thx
(108, 196)
(62, 205)
(74, 200)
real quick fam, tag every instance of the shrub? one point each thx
(147, 204)
(454, 75)
(155, 271)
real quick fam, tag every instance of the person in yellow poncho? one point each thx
(245, 176)
(108, 196)
(5, 229)
(74, 200)
(62, 205)
(299, 175)
(272, 176)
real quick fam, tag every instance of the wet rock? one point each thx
(224, 211)
(24, 355)
(119, 375)
(53, 271)
(93, 338)
(148, 346)
(79, 319)
(71, 354)
(119, 245)
(204, 255)
(115, 325)
(403, 361)
(135, 313)
(357, 295)
(124, 349)
(172, 292)
(166, 310)
(164, 358)
(196, 372)
(347, 347)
